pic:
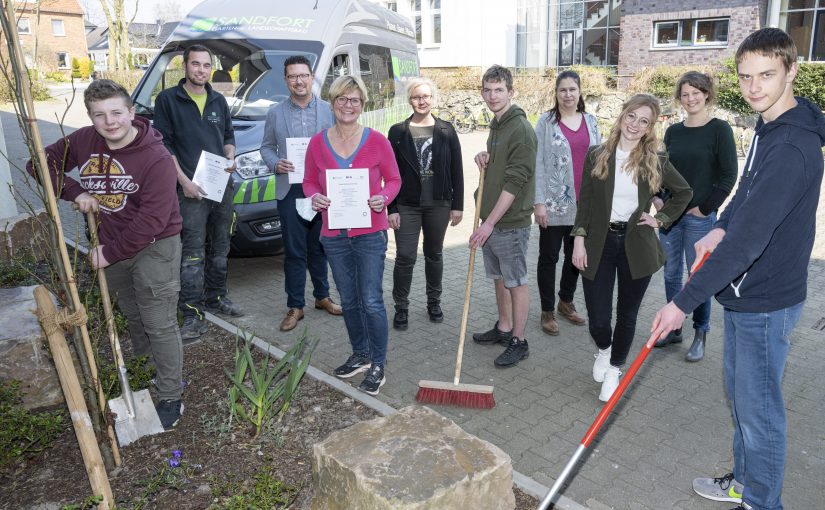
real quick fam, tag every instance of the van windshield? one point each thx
(249, 73)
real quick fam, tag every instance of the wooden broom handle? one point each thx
(469, 286)
(108, 313)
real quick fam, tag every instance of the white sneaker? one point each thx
(611, 382)
(601, 364)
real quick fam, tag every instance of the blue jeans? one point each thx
(358, 269)
(677, 243)
(302, 251)
(756, 347)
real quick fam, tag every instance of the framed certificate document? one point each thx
(348, 190)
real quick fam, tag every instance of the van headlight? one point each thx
(251, 164)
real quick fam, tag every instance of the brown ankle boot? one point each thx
(549, 324)
(568, 311)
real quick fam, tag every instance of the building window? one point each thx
(805, 23)
(415, 6)
(393, 6)
(435, 19)
(426, 17)
(691, 32)
(57, 27)
(23, 26)
(62, 60)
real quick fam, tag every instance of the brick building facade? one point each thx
(58, 31)
(647, 30)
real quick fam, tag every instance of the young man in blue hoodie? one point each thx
(758, 268)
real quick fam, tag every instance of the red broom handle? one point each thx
(605, 412)
(623, 384)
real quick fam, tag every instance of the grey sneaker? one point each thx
(719, 489)
(192, 329)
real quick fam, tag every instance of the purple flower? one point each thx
(176, 454)
(174, 462)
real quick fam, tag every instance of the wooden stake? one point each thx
(92, 459)
(46, 181)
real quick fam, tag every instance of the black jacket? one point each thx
(185, 132)
(448, 171)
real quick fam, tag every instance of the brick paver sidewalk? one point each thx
(672, 425)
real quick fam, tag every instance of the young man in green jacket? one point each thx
(508, 168)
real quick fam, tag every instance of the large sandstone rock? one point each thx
(413, 459)
(23, 355)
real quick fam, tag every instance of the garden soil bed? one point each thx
(215, 463)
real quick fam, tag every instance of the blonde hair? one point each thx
(344, 84)
(416, 82)
(643, 160)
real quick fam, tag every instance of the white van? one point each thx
(250, 40)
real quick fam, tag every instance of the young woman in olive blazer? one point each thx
(614, 233)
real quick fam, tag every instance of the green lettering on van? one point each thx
(204, 24)
(260, 22)
(404, 68)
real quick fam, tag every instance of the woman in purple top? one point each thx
(564, 134)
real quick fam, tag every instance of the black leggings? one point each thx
(598, 296)
(551, 240)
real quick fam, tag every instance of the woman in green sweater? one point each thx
(703, 151)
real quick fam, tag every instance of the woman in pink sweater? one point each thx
(356, 255)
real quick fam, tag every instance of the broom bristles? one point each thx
(477, 397)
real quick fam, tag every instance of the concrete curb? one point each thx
(523, 482)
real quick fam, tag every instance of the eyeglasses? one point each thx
(418, 99)
(632, 118)
(343, 100)
(296, 77)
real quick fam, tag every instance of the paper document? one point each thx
(304, 208)
(296, 150)
(211, 175)
(349, 192)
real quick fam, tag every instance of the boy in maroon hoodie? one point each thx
(128, 177)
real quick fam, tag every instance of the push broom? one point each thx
(457, 394)
(605, 412)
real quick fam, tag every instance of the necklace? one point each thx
(345, 138)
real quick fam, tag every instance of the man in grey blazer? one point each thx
(302, 115)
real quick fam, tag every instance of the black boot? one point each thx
(697, 350)
(674, 337)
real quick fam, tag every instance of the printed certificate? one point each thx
(296, 149)
(348, 190)
(211, 175)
